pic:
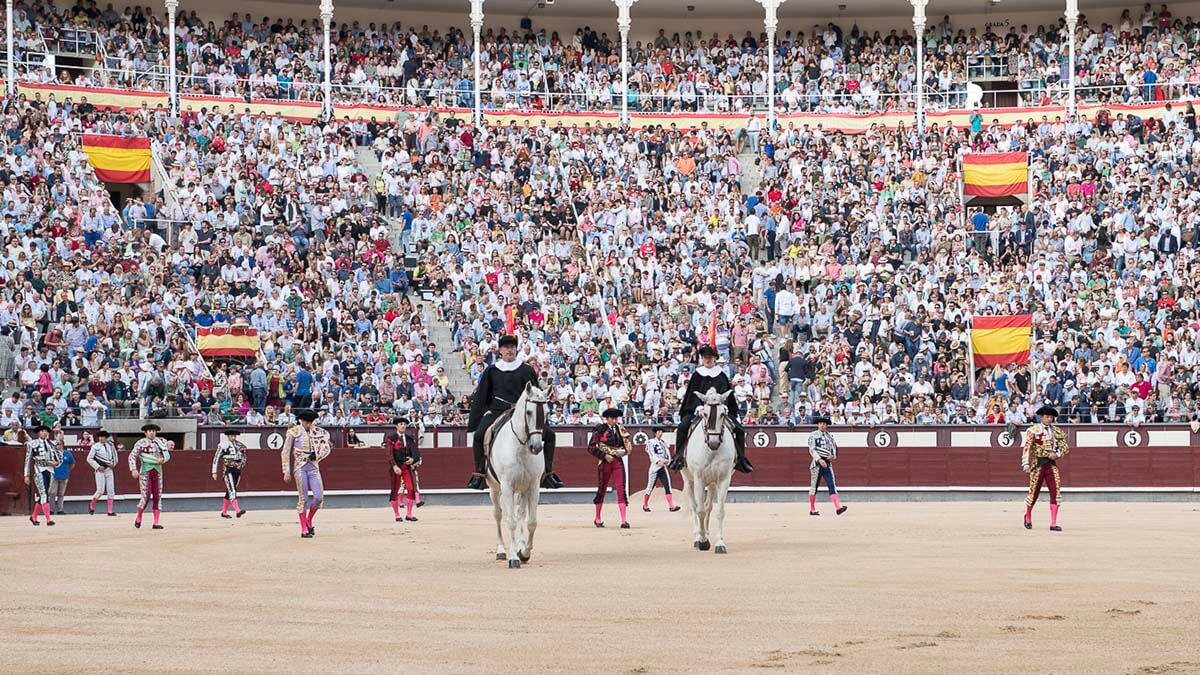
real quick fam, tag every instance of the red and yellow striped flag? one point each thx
(1001, 174)
(119, 159)
(237, 341)
(998, 340)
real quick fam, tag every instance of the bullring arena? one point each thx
(939, 582)
(271, 269)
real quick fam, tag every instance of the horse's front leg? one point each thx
(722, 492)
(531, 499)
(522, 534)
(701, 515)
(510, 514)
(498, 510)
(693, 508)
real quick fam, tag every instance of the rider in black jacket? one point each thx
(708, 376)
(501, 384)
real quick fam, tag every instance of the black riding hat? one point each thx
(507, 341)
(151, 426)
(307, 415)
(822, 418)
(611, 412)
(1047, 410)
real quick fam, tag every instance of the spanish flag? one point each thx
(999, 340)
(119, 159)
(234, 342)
(1001, 174)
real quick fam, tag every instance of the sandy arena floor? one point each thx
(895, 588)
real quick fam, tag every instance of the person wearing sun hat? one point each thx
(230, 460)
(145, 463)
(610, 444)
(304, 447)
(1045, 444)
(41, 457)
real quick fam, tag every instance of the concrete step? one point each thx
(751, 176)
(459, 380)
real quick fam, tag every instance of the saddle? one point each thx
(490, 434)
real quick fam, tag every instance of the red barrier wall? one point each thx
(1160, 456)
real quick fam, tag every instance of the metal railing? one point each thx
(988, 67)
(834, 96)
(70, 40)
(162, 177)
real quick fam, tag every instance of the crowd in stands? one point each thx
(273, 225)
(828, 68)
(836, 276)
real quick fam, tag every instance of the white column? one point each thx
(326, 84)
(476, 27)
(172, 79)
(770, 23)
(1072, 15)
(623, 24)
(919, 31)
(10, 77)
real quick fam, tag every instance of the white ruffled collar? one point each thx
(508, 366)
(709, 372)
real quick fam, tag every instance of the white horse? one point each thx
(710, 454)
(515, 467)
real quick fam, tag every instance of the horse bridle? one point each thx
(711, 419)
(539, 421)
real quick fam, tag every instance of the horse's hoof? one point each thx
(523, 556)
(704, 545)
(721, 549)
(514, 564)
(501, 556)
(695, 544)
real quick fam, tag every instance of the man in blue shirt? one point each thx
(62, 473)
(769, 301)
(979, 223)
(304, 383)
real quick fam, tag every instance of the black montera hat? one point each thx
(507, 341)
